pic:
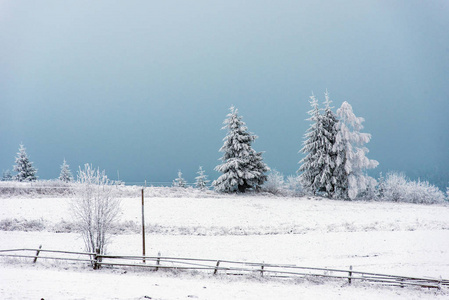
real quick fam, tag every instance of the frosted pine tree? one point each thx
(242, 167)
(180, 182)
(66, 174)
(311, 164)
(24, 168)
(351, 163)
(259, 169)
(328, 156)
(201, 180)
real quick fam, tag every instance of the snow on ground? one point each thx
(18, 282)
(253, 215)
(394, 238)
(414, 253)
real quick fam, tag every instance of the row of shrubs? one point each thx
(396, 187)
(35, 188)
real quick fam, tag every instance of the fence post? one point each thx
(158, 261)
(143, 226)
(216, 267)
(350, 275)
(261, 269)
(96, 259)
(37, 254)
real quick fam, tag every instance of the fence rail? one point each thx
(226, 267)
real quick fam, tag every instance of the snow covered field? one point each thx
(394, 238)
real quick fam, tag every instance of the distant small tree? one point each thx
(201, 180)
(180, 182)
(95, 207)
(23, 167)
(66, 174)
(7, 176)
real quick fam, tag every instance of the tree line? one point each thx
(334, 164)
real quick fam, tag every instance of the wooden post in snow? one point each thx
(97, 259)
(37, 254)
(143, 226)
(216, 267)
(350, 275)
(158, 261)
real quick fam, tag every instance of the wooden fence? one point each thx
(226, 267)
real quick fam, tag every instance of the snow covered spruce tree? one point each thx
(23, 167)
(66, 174)
(328, 155)
(243, 168)
(180, 182)
(351, 163)
(201, 180)
(95, 207)
(318, 165)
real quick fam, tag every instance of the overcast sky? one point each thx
(144, 86)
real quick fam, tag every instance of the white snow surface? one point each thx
(392, 238)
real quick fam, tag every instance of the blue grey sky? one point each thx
(144, 86)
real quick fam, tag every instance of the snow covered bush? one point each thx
(242, 167)
(370, 192)
(275, 183)
(7, 176)
(293, 186)
(95, 207)
(400, 189)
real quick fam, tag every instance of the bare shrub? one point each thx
(95, 207)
